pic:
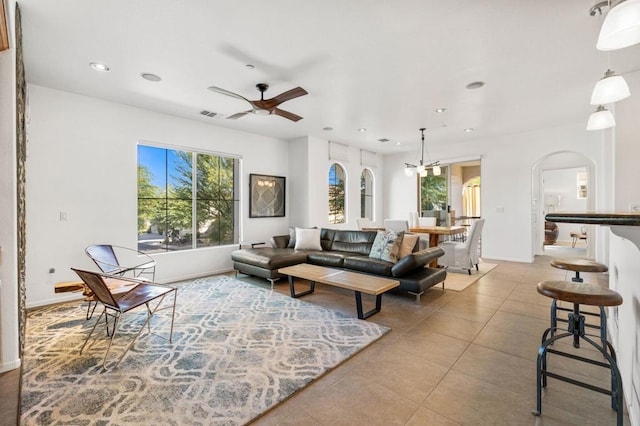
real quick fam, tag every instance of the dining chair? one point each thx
(463, 255)
(363, 222)
(396, 225)
(413, 219)
(115, 305)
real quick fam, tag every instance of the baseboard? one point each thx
(507, 259)
(78, 296)
(11, 365)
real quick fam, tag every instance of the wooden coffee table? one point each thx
(359, 283)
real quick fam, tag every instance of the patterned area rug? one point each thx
(237, 351)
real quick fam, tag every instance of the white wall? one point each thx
(82, 159)
(624, 263)
(8, 218)
(311, 155)
(506, 165)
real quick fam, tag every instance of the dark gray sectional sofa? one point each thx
(347, 250)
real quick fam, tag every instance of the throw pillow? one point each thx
(386, 246)
(407, 245)
(308, 239)
(292, 238)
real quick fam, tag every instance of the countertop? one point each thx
(593, 218)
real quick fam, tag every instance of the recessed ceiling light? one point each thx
(439, 110)
(475, 85)
(397, 143)
(327, 129)
(149, 76)
(362, 129)
(98, 66)
(469, 129)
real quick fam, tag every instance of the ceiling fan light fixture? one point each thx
(621, 26)
(600, 119)
(261, 111)
(609, 89)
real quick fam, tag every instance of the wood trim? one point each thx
(4, 29)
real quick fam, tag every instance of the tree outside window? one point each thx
(434, 191)
(172, 209)
(336, 194)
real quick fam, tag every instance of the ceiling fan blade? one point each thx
(286, 114)
(285, 96)
(238, 115)
(228, 93)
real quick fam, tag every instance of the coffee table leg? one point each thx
(365, 315)
(303, 293)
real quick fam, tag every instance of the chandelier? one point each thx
(422, 168)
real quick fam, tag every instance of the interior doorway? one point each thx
(563, 182)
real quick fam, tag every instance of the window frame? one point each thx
(333, 205)
(196, 236)
(363, 194)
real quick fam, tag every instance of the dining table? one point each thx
(434, 235)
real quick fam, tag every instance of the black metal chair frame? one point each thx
(115, 305)
(576, 329)
(106, 259)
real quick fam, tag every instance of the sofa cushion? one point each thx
(327, 258)
(269, 258)
(368, 265)
(357, 242)
(307, 239)
(386, 246)
(326, 238)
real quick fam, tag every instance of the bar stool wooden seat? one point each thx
(579, 294)
(580, 265)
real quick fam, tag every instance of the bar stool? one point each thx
(580, 265)
(585, 294)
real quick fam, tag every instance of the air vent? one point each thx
(383, 140)
(208, 113)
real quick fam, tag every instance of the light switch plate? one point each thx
(634, 207)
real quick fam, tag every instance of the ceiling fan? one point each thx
(265, 106)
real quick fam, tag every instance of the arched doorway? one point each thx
(578, 194)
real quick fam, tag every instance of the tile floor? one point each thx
(463, 358)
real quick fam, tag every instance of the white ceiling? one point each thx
(380, 65)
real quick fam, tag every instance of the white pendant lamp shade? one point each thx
(408, 171)
(436, 171)
(601, 119)
(610, 88)
(621, 26)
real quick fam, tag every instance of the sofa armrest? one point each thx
(280, 241)
(416, 260)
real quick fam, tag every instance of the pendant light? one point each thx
(621, 26)
(610, 88)
(421, 168)
(600, 119)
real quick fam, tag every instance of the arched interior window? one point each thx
(337, 184)
(366, 194)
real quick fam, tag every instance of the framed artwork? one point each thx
(267, 196)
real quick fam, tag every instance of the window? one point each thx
(182, 194)
(434, 194)
(336, 194)
(366, 194)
